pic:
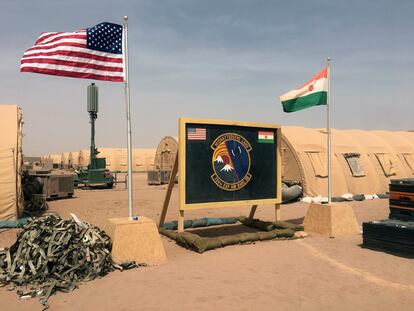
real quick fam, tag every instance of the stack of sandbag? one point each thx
(266, 231)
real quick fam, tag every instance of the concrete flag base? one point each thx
(135, 240)
(331, 219)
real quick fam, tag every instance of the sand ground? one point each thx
(315, 273)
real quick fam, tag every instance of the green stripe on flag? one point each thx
(266, 141)
(299, 103)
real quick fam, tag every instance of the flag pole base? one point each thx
(331, 219)
(135, 240)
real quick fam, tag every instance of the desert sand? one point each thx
(315, 273)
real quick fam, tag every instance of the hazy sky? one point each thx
(214, 59)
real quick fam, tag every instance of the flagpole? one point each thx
(128, 115)
(328, 129)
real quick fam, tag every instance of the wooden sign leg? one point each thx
(252, 211)
(169, 191)
(181, 221)
(277, 212)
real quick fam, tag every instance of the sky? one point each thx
(218, 59)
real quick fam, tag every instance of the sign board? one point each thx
(227, 163)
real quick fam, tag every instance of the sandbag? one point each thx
(229, 240)
(14, 223)
(202, 222)
(283, 233)
(246, 220)
(173, 225)
(214, 221)
(359, 197)
(169, 233)
(290, 194)
(248, 237)
(383, 196)
(268, 226)
(186, 239)
(204, 244)
(266, 235)
(338, 199)
(229, 220)
(211, 221)
(287, 225)
(263, 225)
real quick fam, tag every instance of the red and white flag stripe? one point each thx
(66, 54)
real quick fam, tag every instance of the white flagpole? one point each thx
(128, 115)
(328, 130)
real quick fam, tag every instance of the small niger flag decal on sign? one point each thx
(266, 137)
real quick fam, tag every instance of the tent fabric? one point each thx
(116, 158)
(11, 195)
(166, 152)
(362, 161)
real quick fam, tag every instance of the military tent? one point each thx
(363, 162)
(116, 158)
(166, 153)
(11, 196)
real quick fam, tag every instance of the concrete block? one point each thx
(331, 219)
(135, 240)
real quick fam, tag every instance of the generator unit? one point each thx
(51, 184)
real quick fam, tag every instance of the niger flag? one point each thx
(312, 93)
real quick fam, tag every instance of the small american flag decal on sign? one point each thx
(196, 133)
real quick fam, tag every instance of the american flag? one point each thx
(196, 133)
(92, 53)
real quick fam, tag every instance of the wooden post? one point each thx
(181, 221)
(169, 191)
(252, 211)
(277, 212)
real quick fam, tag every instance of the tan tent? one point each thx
(56, 158)
(117, 160)
(166, 153)
(67, 158)
(11, 197)
(82, 158)
(362, 161)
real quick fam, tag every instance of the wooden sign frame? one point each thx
(180, 166)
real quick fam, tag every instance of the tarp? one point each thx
(11, 196)
(363, 162)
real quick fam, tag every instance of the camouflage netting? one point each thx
(268, 231)
(52, 255)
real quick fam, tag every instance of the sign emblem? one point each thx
(231, 161)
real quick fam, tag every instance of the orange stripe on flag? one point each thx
(321, 74)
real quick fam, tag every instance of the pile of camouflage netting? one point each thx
(52, 255)
(266, 230)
